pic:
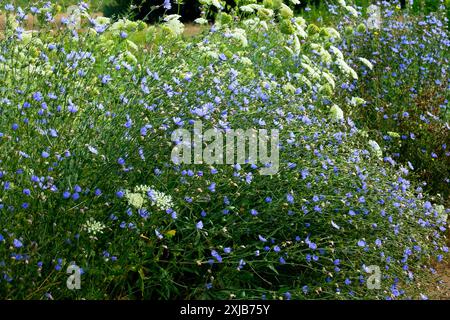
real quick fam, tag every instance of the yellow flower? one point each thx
(171, 233)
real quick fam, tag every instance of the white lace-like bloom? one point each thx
(286, 12)
(346, 69)
(366, 62)
(324, 54)
(264, 12)
(337, 52)
(132, 45)
(26, 37)
(441, 212)
(246, 8)
(74, 17)
(142, 188)
(175, 25)
(352, 11)
(201, 21)
(160, 199)
(102, 20)
(329, 77)
(246, 61)
(212, 54)
(135, 199)
(336, 113)
(332, 33)
(147, 195)
(123, 24)
(303, 79)
(300, 31)
(376, 148)
(93, 227)
(356, 101)
(297, 46)
(240, 35)
(312, 72)
(289, 88)
(300, 21)
(216, 4)
(252, 23)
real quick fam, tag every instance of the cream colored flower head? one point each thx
(93, 227)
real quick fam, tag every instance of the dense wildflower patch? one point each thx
(86, 177)
(404, 88)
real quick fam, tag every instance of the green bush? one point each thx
(426, 6)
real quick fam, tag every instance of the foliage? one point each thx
(152, 10)
(86, 119)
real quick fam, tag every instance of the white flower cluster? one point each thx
(366, 62)
(350, 9)
(336, 113)
(161, 200)
(135, 199)
(174, 24)
(143, 193)
(376, 148)
(320, 50)
(93, 227)
(356, 101)
(201, 21)
(252, 7)
(240, 35)
(346, 69)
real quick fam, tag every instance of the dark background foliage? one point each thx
(152, 10)
(190, 9)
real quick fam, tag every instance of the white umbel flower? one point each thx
(356, 101)
(324, 55)
(147, 195)
(336, 113)
(247, 9)
(337, 52)
(102, 20)
(93, 227)
(216, 4)
(330, 78)
(376, 148)
(240, 35)
(346, 69)
(352, 11)
(201, 21)
(175, 26)
(246, 61)
(366, 62)
(332, 33)
(135, 199)
(160, 200)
